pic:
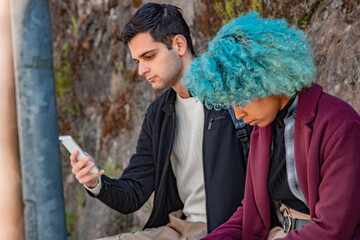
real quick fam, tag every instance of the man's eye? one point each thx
(149, 56)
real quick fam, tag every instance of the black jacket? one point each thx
(150, 167)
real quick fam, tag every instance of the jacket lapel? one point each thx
(305, 114)
(169, 105)
(260, 155)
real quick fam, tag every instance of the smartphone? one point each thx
(69, 143)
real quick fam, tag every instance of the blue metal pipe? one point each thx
(43, 197)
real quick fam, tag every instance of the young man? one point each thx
(304, 181)
(189, 156)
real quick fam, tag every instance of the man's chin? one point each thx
(157, 86)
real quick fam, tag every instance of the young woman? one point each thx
(303, 170)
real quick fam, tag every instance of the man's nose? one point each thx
(239, 113)
(143, 68)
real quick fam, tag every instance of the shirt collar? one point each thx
(288, 111)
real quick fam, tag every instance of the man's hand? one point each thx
(82, 171)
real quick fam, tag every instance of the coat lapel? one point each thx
(260, 168)
(305, 114)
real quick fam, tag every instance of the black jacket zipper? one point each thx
(214, 119)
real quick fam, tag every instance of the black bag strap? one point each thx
(241, 132)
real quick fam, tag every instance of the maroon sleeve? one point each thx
(337, 209)
(230, 229)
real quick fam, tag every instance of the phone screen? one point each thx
(69, 143)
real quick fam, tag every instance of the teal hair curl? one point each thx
(251, 58)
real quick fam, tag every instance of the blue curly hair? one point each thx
(251, 58)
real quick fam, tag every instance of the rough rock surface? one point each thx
(334, 33)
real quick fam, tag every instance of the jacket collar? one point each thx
(170, 97)
(307, 107)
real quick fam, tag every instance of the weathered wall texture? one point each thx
(102, 101)
(334, 33)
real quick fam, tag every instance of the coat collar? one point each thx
(307, 107)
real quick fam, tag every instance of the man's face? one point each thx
(260, 112)
(159, 65)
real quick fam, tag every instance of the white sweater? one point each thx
(187, 157)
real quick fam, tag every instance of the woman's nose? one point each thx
(239, 113)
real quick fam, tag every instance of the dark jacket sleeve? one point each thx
(128, 193)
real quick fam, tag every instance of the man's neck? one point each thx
(179, 87)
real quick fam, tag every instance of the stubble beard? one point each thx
(172, 72)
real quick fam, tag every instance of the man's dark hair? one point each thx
(163, 21)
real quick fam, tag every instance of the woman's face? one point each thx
(261, 111)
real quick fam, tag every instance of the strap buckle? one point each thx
(287, 221)
(242, 135)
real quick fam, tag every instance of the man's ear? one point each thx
(179, 44)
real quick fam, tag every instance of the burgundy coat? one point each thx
(327, 159)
